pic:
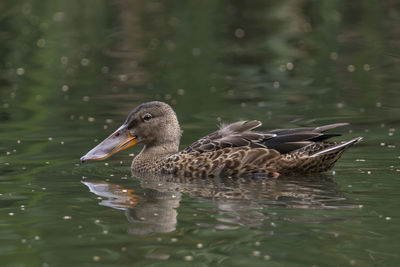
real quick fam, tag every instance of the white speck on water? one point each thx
(276, 84)
(181, 92)
(199, 245)
(44, 188)
(41, 43)
(267, 257)
(123, 249)
(124, 191)
(99, 198)
(20, 71)
(351, 68)
(105, 232)
(64, 60)
(388, 218)
(257, 243)
(123, 77)
(67, 217)
(106, 164)
(239, 33)
(366, 67)
(47, 162)
(378, 105)
(96, 258)
(91, 119)
(50, 138)
(58, 16)
(37, 237)
(131, 155)
(85, 62)
(18, 141)
(382, 144)
(23, 241)
(272, 224)
(289, 66)
(11, 213)
(97, 221)
(85, 98)
(188, 258)
(173, 240)
(65, 88)
(62, 142)
(369, 172)
(256, 253)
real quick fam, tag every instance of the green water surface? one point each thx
(70, 72)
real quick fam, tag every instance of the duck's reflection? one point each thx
(153, 207)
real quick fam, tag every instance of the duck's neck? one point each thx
(151, 156)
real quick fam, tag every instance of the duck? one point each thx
(237, 149)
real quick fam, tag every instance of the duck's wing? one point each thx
(288, 140)
(241, 134)
(236, 134)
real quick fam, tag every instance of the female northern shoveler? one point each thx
(235, 150)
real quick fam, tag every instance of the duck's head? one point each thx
(154, 124)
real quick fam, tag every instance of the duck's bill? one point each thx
(120, 140)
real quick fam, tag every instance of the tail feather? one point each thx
(335, 149)
(317, 157)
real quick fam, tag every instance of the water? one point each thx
(71, 71)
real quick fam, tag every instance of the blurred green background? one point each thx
(70, 71)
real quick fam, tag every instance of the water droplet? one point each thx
(20, 71)
(85, 62)
(239, 33)
(41, 43)
(351, 68)
(188, 258)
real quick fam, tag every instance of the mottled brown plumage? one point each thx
(235, 150)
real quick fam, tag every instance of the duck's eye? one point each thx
(147, 117)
